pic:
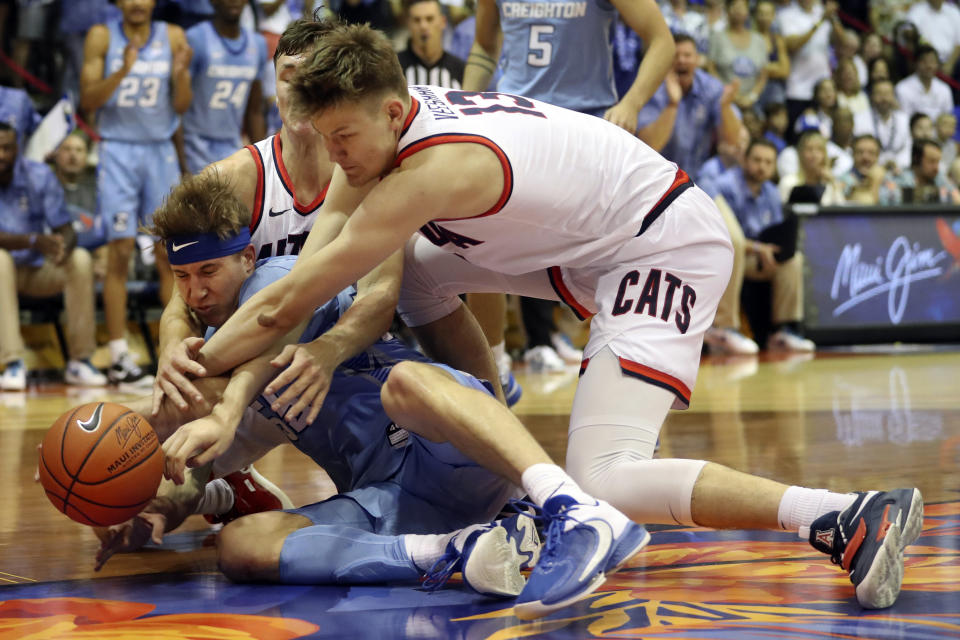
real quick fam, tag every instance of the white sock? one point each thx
(217, 498)
(118, 347)
(499, 350)
(425, 549)
(800, 506)
(542, 480)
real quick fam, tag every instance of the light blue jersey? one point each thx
(558, 51)
(391, 482)
(141, 109)
(221, 73)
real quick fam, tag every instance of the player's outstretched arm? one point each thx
(644, 17)
(175, 364)
(167, 511)
(307, 369)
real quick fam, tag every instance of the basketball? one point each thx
(101, 463)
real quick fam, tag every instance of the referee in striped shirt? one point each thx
(424, 61)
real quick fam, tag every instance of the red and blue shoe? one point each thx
(868, 538)
(252, 493)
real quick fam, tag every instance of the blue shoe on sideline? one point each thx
(511, 389)
(580, 550)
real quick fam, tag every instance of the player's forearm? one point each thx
(95, 93)
(177, 323)
(480, 66)
(182, 91)
(368, 318)
(658, 133)
(657, 60)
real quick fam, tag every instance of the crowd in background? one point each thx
(768, 104)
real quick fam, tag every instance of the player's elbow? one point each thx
(281, 314)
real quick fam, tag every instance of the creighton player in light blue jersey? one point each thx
(406, 501)
(135, 75)
(227, 74)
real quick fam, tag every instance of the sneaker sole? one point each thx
(881, 586)
(636, 539)
(529, 542)
(493, 567)
(913, 525)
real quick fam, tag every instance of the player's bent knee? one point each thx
(404, 387)
(248, 549)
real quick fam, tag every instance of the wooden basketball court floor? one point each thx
(842, 421)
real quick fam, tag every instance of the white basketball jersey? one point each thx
(576, 187)
(279, 224)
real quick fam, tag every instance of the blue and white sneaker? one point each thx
(511, 389)
(580, 550)
(486, 557)
(522, 533)
(868, 539)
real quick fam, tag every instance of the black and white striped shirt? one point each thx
(447, 72)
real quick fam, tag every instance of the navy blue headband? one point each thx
(197, 247)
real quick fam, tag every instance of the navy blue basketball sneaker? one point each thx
(867, 539)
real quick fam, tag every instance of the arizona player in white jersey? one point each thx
(227, 72)
(559, 51)
(135, 74)
(515, 195)
(283, 180)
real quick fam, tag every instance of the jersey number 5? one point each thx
(541, 49)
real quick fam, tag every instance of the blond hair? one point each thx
(349, 64)
(204, 203)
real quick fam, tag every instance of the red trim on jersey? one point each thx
(454, 138)
(681, 182)
(288, 183)
(414, 110)
(654, 377)
(556, 281)
(257, 212)
(583, 366)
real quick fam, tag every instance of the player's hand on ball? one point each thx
(309, 370)
(177, 365)
(130, 535)
(195, 444)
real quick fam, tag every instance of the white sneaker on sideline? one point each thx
(785, 340)
(729, 342)
(565, 349)
(14, 376)
(82, 373)
(543, 359)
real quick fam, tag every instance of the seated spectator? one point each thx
(939, 22)
(688, 111)
(753, 123)
(751, 208)
(921, 127)
(946, 127)
(885, 14)
(840, 144)
(41, 263)
(923, 183)
(807, 26)
(728, 156)
(738, 53)
(17, 110)
(683, 20)
(871, 50)
(825, 105)
(848, 48)
(886, 123)
(839, 159)
(424, 61)
(923, 92)
(954, 172)
(850, 93)
(79, 182)
(814, 179)
(878, 70)
(861, 185)
(775, 124)
(778, 59)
